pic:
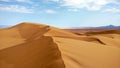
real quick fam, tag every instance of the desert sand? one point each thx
(29, 45)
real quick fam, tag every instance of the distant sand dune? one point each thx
(29, 45)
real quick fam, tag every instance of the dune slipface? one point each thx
(30, 45)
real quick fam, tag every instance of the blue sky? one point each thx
(61, 13)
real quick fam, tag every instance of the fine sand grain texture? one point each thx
(29, 45)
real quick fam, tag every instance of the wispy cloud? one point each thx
(86, 4)
(113, 10)
(55, 0)
(71, 5)
(73, 10)
(24, 1)
(15, 8)
(49, 11)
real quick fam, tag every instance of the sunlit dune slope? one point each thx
(82, 54)
(25, 46)
(29, 45)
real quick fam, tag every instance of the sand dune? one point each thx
(25, 46)
(29, 45)
(82, 54)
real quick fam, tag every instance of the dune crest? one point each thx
(28, 48)
(29, 45)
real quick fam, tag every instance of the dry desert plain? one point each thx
(29, 45)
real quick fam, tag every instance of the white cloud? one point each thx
(49, 11)
(114, 10)
(55, 0)
(15, 8)
(87, 4)
(73, 10)
(24, 1)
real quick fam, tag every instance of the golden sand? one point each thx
(29, 45)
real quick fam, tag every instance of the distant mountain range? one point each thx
(109, 26)
(104, 27)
